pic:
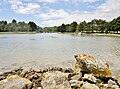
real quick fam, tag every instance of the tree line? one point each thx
(94, 26)
(15, 26)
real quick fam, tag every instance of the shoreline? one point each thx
(70, 33)
(100, 34)
(55, 77)
(91, 34)
(18, 33)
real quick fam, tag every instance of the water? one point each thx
(53, 48)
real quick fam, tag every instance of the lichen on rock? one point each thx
(89, 64)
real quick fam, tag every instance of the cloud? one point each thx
(23, 8)
(76, 1)
(48, 1)
(107, 11)
(52, 16)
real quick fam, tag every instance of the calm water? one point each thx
(53, 48)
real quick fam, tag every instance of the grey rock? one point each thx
(15, 82)
(77, 76)
(55, 80)
(76, 83)
(89, 86)
(90, 78)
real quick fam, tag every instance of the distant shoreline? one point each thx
(18, 32)
(92, 34)
(101, 34)
(70, 33)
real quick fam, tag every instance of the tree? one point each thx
(73, 27)
(33, 26)
(78, 28)
(63, 28)
(114, 25)
(2, 25)
(82, 26)
(14, 21)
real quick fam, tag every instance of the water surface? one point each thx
(53, 48)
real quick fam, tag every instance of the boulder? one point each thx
(55, 80)
(89, 64)
(15, 82)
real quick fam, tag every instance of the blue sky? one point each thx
(56, 12)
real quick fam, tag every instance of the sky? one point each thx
(55, 12)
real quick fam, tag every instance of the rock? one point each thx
(75, 84)
(118, 79)
(55, 80)
(2, 77)
(68, 70)
(89, 64)
(23, 73)
(90, 78)
(112, 84)
(106, 86)
(77, 76)
(39, 88)
(89, 86)
(15, 82)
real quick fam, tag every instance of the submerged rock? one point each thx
(15, 82)
(55, 80)
(89, 64)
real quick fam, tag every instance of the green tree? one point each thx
(63, 28)
(73, 26)
(14, 21)
(33, 26)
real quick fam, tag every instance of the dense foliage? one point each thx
(94, 26)
(15, 26)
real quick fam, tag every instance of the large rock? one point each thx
(15, 82)
(55, 80)
(89, 64)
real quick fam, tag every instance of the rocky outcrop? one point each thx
(88, 74)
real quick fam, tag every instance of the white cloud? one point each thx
(85, 0)
(53, 14)
(23, 8)
(48, 1)
(108, 10)
(77, 1)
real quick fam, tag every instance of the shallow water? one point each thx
(52, 48)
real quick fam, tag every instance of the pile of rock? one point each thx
(87, 74)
